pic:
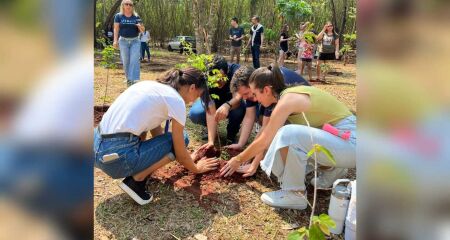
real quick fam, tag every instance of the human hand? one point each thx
(115, 45)
(336, 55)
(207, 164)
(222, 112)
(231, 166)
(250, 170)
(236, 147)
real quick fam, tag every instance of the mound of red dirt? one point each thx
(212, 152)
(200, 185)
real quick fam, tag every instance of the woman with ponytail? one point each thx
(120, 148)
(288, 145)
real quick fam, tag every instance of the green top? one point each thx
(324, 108)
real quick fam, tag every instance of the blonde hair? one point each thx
(122, 7)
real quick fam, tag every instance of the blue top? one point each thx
(127, 25)
(238, 32)
(291, 78)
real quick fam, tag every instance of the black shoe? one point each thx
(136, 190)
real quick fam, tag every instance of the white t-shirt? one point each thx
(145, 36)
(143, 107)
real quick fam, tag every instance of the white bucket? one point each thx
(350, 220)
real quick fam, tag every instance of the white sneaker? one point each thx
(326, 178)
(285, 199)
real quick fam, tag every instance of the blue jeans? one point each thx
(134, 155)
(255, 56)
(197, 114)
(129, 52)
(145, 49)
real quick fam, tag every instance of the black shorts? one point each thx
(285, 50)
(306, 60)
(327, 56)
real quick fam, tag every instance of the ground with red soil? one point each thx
(201, 185)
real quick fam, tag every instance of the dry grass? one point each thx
(178, 214)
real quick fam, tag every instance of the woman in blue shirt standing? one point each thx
(127, 26)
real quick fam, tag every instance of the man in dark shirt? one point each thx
(256, 40)
(240, 86)
(254, 111)
(236, 35)
(235, 110)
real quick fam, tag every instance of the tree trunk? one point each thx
(344, 21)
(210, 26)
(253, 4)
(197, 7)
(334, 20)
(218, 36)
(108, 23)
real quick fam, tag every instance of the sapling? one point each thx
(319, 226)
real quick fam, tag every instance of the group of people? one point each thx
(281, 103)
(326, 43)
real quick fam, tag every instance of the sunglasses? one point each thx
(128, 4)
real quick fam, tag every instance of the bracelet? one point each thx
(238, 158)
(229, 104)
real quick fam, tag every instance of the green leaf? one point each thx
(327, 220)
(315, 233)
(324, 228)
(295, 235)
(327, 153)
(214, 96)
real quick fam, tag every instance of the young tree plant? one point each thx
(319, 226)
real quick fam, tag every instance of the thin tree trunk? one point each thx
(198, 27)
(107, 24)
(344, 21)
(333, 11)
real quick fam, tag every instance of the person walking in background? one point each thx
(284, 45)
(256, 40)
(307, 55)
(299, 36)
(236, 35)
(145, 37)
(328, 46)
(127, 26)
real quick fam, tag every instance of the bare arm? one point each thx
(116, 32)
(288, 104)
(247, 125)
(262, 38)
(211, 124)
(181, 152)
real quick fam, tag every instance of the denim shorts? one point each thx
(134, 154)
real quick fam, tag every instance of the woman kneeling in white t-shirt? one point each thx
(119, 150)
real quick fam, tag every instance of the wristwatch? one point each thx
(229, 104)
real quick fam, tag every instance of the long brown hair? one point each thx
(335, 35)
(177, 78)
(269, 76)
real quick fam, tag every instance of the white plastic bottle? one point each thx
(339, 200)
